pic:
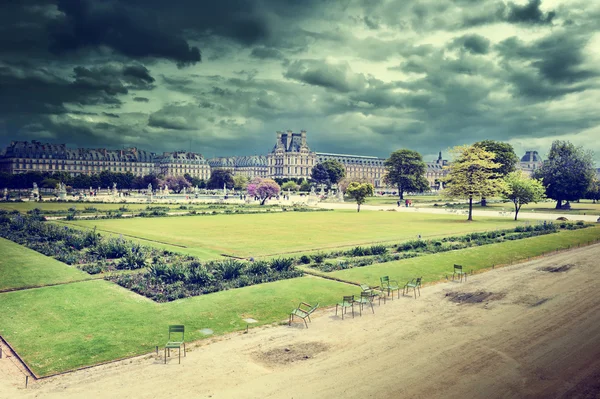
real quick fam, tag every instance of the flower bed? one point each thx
(169, 276)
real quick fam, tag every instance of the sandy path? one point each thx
(537, 337)
(591, 217)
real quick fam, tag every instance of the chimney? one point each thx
(303, 137)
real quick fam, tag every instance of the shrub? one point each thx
(282, 264)
(230, 269)
(199, 274)
(258, 267)
(378, 249)
(305, 259)
(318, 258)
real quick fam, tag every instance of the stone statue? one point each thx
(5, 194)
(224, 189)
(184, 191)
(312, 191)
(62, 191)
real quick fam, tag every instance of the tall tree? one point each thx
(567, 173)
(240, 182)
(406, 170)
(360, 192)
(320, 174)
(505, 156)
(472, 174)
(177, 183)
(593, 192)
(335, 170)
(522, 190)
(218, 178)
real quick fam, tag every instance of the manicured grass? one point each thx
(288, 232)
(584, 207)
(22, 267)
(64, 327)
(437, 266)
(72, 325)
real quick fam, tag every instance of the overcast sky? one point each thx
(360, 76)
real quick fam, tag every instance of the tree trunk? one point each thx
(401, 193)
(558, 204)
(516, 212)
(483, 201)
(263, 201)
(470, 208)
(358, 209)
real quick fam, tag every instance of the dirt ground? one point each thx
(525, 331)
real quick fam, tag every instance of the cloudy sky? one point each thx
(361, 76)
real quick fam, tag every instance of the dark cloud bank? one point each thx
(361, 76)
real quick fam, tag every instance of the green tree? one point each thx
(359, 192)
(290, 185)
(406, 170)
(472, 174)
(240, 182)
(522, 190)
(335, 170)
(593, 192)
(305, 186)
(567, 173)
(194, 181)
(320, 174)
(505, 156)
(218, 178)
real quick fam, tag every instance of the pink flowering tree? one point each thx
(263, 189)
(176, 183)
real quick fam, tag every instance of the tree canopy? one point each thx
(472, 174)
(359, 192)
(504, 155)
(219, 177)
(406, 170)
(335, 170)
(567, 173)
(522, 190)
(176, 183)
(320, 174)
(263, 189)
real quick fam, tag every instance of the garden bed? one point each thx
(365, 256)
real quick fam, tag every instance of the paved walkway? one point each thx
(522, 215)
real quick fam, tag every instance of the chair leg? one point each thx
(305, 323)
(373, 310)
(165, 355)
(336, 306)
(180, 355)
(184, 355)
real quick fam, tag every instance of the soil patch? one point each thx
(557, 269)
(474, 297)
(291, 353)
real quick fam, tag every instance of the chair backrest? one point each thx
(365, 287)
(349, 299)
(458, 268)
(313, 308)
(367, 295)
(385, 280)
(177, 328)
(418, 282)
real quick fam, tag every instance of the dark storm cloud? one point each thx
(474, 43)
(141, 99)
(320, 73)
(130, 31)
(529, 13)
(266, 52)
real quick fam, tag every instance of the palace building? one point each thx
(291, 157)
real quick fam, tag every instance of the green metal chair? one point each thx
(458, 271)
(347, 302)
(376, 292)
(415, 284)
(390, 286)
(366, 298)
(172, 344)
(304, 310)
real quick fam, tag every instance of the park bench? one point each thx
(171, 344)
(304, 310)
(458, 271)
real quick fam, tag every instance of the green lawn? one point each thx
(22, 267)
(280, 233)
(64, 327)
(584, 207)
(67, 326)
(437, 266)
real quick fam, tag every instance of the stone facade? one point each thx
(182, 163)
(291, 157)
(248, 166)
(358, 166)
(23, 156)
